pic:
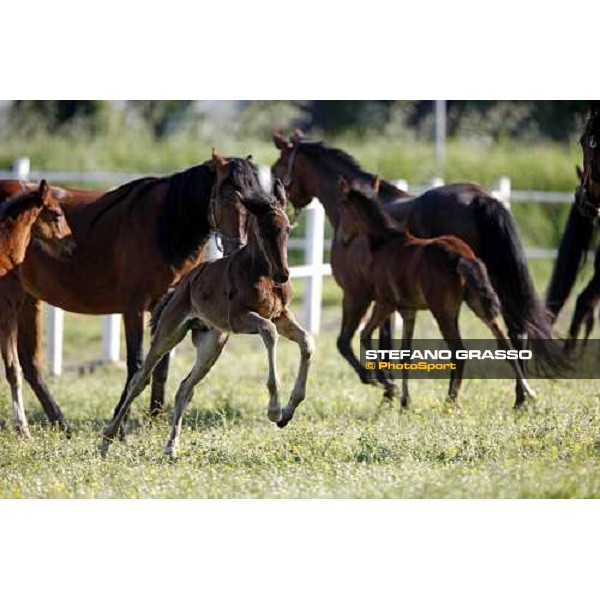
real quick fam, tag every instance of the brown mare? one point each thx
(465, 210)
(29, 217)
(245, 292)
(133, 244)
(578, 235)
(411, 274)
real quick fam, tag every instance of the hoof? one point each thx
(283, 421)
(405, 402)
(275, 415)
(171, 453)
(105, 444)
(24, 433)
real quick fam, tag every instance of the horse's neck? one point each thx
(324, 185)
(260, 265)
(15, 237)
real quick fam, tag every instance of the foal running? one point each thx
(245, 292)
(410, 273)
(31, 216)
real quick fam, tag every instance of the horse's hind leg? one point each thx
(8, 348)
(409, 318)
(289, 328)
(519, 342)
(209, 345)
(159, 381)
(584, 311)
(29, 343)
(448, 323)
(134, 338)
(504, 343)
(170, 331)
(379, 314)
(353, 310)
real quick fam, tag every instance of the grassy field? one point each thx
(341, 443)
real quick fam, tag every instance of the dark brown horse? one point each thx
(465, 210)
(410, 274)
(577, 237)
(245, 292)
(133, 243)
(29, 217)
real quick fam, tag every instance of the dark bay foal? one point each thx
(410, 274)
(29, 217)
(246, 292)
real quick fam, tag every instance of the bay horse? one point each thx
(411, 274)
(30, 217)
(578, 235)
(245, 292)
(464, 210)
(134, 242)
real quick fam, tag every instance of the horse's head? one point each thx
(290, 170)
(236, 179)
(355, 207)
(587, 197)
(50, 229)
(273, 230)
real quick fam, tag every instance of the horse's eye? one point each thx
(593, 143)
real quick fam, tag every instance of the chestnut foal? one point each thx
(245, 292)
(28, 217)
(410, 274)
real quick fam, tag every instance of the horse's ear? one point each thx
(298, 135)
(221, 164)
(279, 192)
(249, 158)
(43, 192)
(376, 185)
(218, 160)
(579, 172)
(344, 186)
(280, 142)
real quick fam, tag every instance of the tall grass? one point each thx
(547, 166)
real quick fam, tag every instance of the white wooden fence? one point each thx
(313, 245)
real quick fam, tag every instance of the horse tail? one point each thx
(572, 253)
(481, 296)
(159, 309)
(504, 256)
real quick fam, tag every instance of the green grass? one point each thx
(544, 166)
(341, 443)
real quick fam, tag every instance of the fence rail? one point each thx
(313, 245)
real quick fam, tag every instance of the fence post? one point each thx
(111, 338)
(503, 191)
(315, 239)
(22, 168)
(56, 326)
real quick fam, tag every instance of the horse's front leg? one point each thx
(8, 348)
(289, 328)
(253, 323)
(29, 343)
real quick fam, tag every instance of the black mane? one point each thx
(183, 224)
(350, 168)
(183, 221)
(17, 204)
